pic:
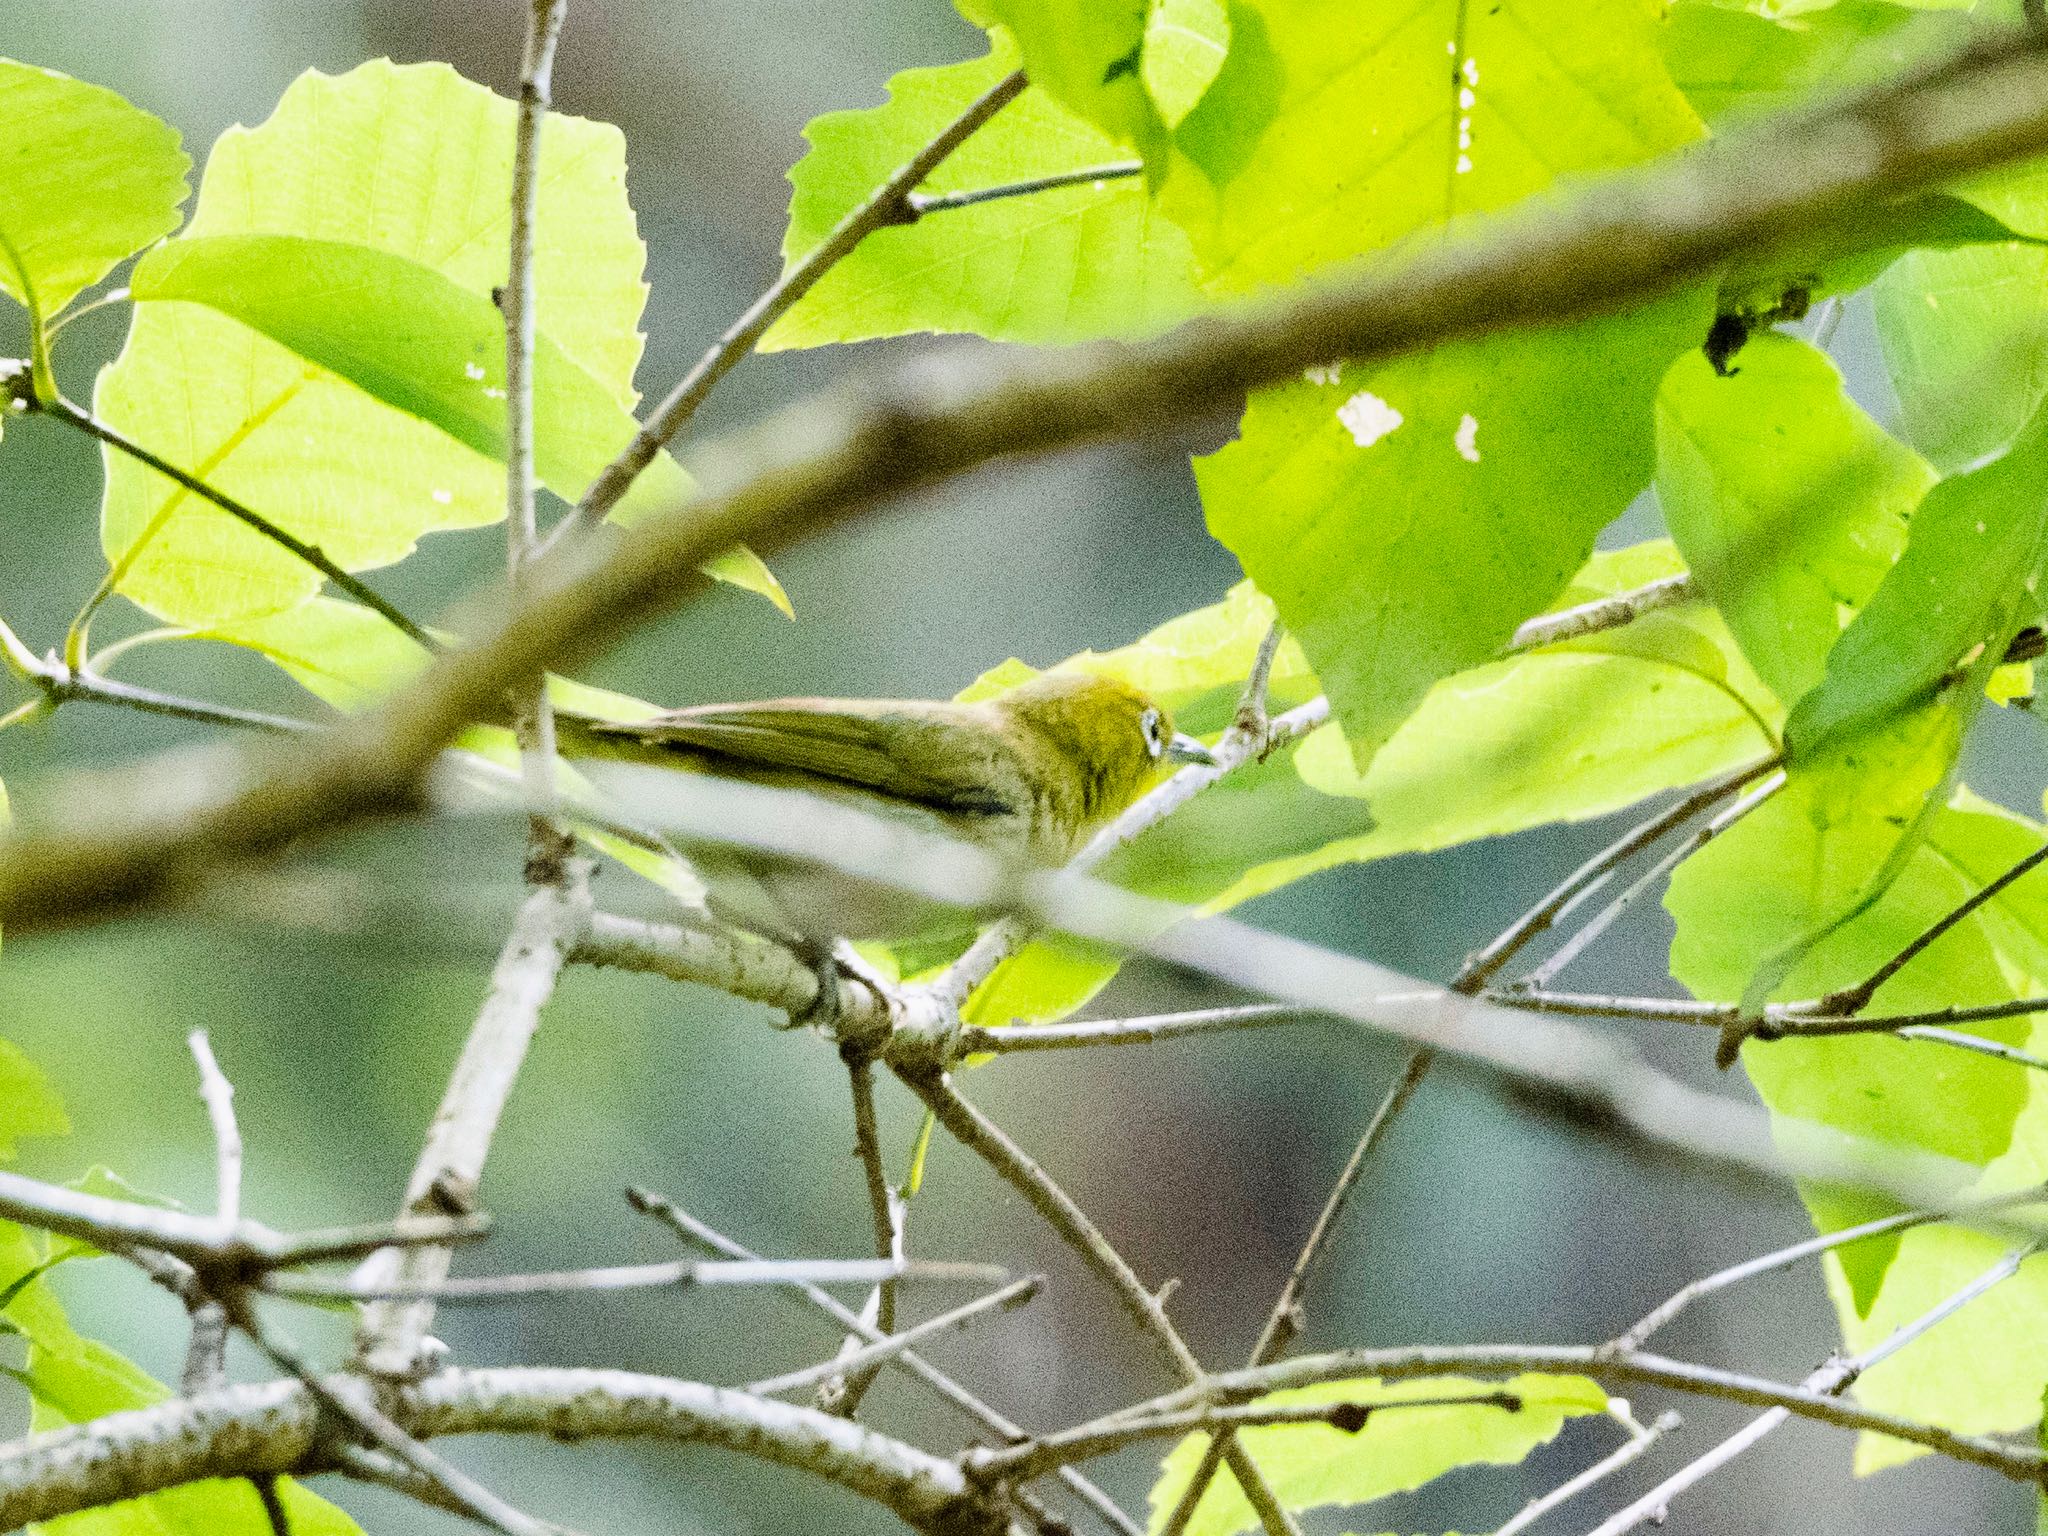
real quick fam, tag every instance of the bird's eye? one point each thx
(1155, 741)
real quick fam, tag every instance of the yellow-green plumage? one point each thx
(1031, 776)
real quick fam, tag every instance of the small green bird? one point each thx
(1029, 776)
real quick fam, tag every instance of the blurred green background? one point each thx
(1206, 1161)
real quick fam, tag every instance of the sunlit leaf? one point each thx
(1733, 64)
(86, 180)
(421, 342)
(1789, 502)
(1333, 130)
(1085, 55)
(1406, 518)
(1964, 585)
(1068, 264)
(1315, 1466)
(1185, 45)
(1804, 861)
(1983, 1370)
(412, 161)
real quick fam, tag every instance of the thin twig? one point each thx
(870, 1358)
(988, 1141)
(2022, 1463)
(711, 1240)
(1105, 1437)
(843, 1391)
(1850, 1000)
(922, 203)
(681, 1275)
(884, 206)
(1012, 1039)
(1633, 1449)
(344, 581)
(121, 1224)
(1997, 1049)
(1284, 1322)
(1831, 1380)
(273, 1505)
(1482, 966)
(1606, 917)
(206, 1354)
(1604, 613)
(362, 1414)
(1660, 1316)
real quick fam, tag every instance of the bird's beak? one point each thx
(1185, 749)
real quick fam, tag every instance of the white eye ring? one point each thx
(1155, 743)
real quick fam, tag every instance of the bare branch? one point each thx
(1661, 1315)
(446, 1176)
(1617, 239)
(1831, 1380)
(350, 1402)
(2021, 1463)
(1633, 1449)
(1584, 935)
(988, 1141)
(873, 1356)
(1012, 1039)
(1856, 998)
(1106, 1437)
(889, 203)
(1284, 1321)
(117, 1225)
(1604, 613)
(691, 1230)
(682, 1275)
(206, 1355)
(276, 1427)
(842, 1392)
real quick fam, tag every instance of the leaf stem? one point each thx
(922, 203)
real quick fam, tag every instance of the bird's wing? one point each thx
(899, 749)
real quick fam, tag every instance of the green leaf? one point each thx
(1315, 1466)
(1565, 733)
(29, 1105)
(1965, 332)
(1796, 866)
(86, 180)
(1789, 503)
(421, 342)
(1405, 519)
(1185, 45)
(412, 161)
(1983, 1370)
(1963, 586)
(1086, 55)
(1734, 65)
(1965, 339)
(1334, 130)
(1070, 264)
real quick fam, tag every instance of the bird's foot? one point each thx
(833, 963)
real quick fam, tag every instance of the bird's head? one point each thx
(1110, 735)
